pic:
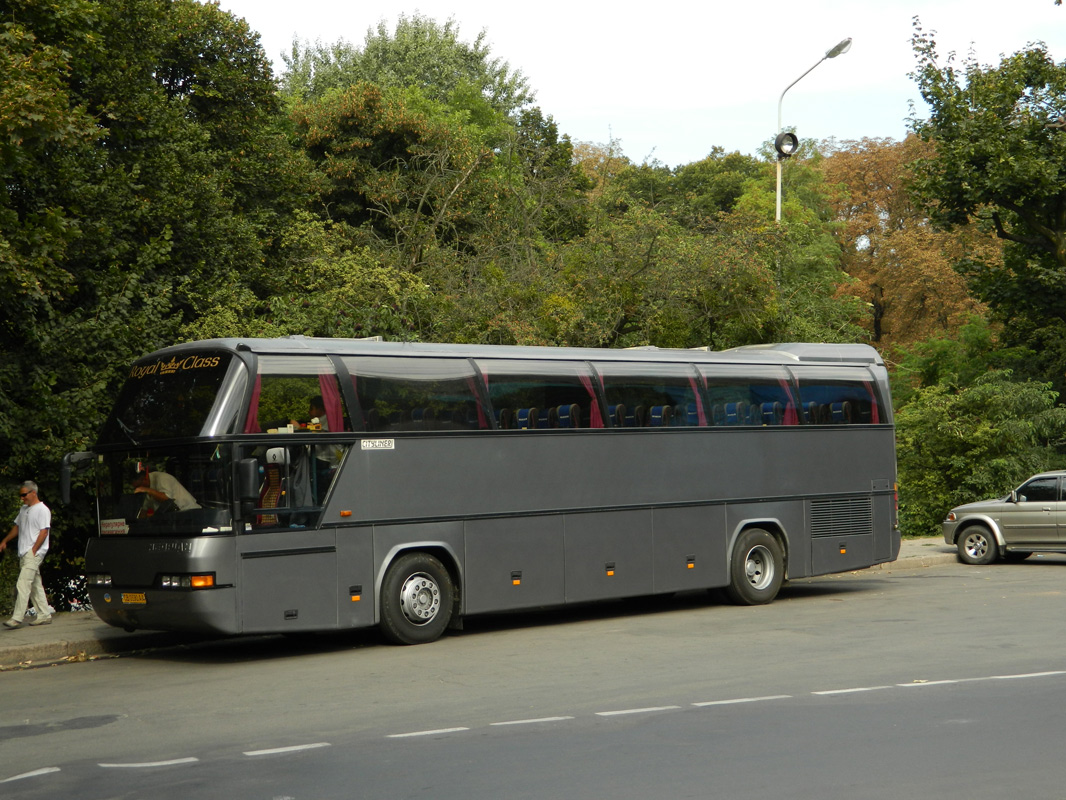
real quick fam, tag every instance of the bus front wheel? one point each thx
(416, 599)
(756, 570)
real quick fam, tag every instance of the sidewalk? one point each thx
(81, 636)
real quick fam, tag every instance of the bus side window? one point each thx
(417, 394)
(652, 395)
(752, 395)
(838, 396)
(296, 390)
(535, 395)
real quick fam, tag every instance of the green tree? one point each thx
(693, 194)
(420, 53)
(331, 286)
(959, 445)
(398, 166)
(813, 298)
(143, 167)
(957, 360)
(999, 159)
(1000, 147)
(474, 213)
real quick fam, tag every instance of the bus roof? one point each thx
(768, 354)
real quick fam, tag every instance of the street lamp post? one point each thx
(787, 145)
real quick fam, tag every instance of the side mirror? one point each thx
(248, 480)
(72, 462)
(247, 487)
(1014, 496)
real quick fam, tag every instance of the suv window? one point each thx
(1040, 490)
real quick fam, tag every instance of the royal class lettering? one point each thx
(174, 366)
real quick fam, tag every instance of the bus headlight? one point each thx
(98, 579)
(187, 581)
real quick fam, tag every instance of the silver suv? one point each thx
(1031, 518)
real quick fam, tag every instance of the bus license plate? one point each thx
(134, 598)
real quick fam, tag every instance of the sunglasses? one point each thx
(23, 494)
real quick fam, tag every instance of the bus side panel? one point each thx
(608, 555)
(514, 563)
(288, 581)
(355, 568)
(690, 548)
(851, 532)
(840, 553)
(519, 472)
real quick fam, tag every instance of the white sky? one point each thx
(670, 80)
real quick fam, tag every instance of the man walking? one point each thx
(31, 527)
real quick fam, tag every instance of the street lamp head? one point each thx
(840, 49)
(786, 144)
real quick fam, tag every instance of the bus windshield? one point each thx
(166, 491)
(167, 398)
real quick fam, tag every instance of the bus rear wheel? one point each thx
(756, 570)
(416, 599)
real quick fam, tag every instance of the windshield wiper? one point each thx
(128, 431)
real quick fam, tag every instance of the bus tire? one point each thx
(756, 570)
(977, 546)
(416, 599)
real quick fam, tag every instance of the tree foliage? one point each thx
(420, 53)
(1000, 152)
(998, 157)
(955, 446)
(143, 165)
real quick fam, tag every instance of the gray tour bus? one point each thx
(299, 484)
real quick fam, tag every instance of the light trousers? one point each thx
(30, 588)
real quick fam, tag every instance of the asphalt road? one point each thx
(939, 682)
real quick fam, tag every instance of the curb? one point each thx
(97, 641)
(919, 562)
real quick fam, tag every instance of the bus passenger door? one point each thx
(288, 566)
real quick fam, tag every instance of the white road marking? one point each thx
(531, 721)
(147, 764)
(1028, 675)
(296, 748)
(424, 733)
(635, 711)
(617, 713)
(743, 700)
(938, 683)
(35, 774)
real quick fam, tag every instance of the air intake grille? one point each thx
(842, 517)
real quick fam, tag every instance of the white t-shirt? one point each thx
(31, 521)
